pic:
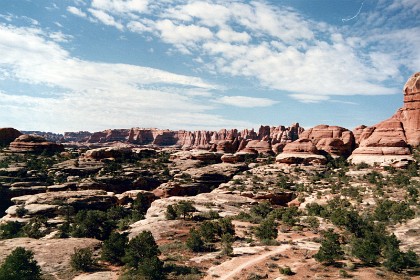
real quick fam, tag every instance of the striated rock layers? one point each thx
(332, 140)
(7, 135)
(388, 141)
(316, 143)
(267, 140)
(302, 151)
(34, 144)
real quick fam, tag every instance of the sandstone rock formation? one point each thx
(224, 140)
(409, 115)
(333, 140)
(301, 151)
(388, 142)
(34, 144)
(49, 203)
(7, 135)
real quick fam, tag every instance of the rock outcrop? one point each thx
(34, 144)
(7, 135)
(409, 115)
(267, 140)
(301, 151)
(388, 142)
(332, 140)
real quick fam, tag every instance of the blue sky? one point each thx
(205, 64)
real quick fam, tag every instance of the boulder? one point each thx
(239, 157)
(34, 144)
(8, 135)
(108, 152)
(332, 140)
(258, 146)
(301, 151)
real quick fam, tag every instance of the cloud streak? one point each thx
(283, 50)
(92, 95)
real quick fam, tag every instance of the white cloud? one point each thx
(228, 35)
(245, 101)
(106, 18)
(182, 34)
(275, 45)
(76, 11)
(95, 95)
(121, 6)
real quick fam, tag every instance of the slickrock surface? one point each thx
(53, 255)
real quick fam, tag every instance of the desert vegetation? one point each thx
(339, 218)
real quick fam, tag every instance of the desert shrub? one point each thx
(170, 213)
(226, 243)
(392, 211)
(117, 213)
(142, 257)
(368, 248)
(182, 209)
(20, 264)
(289, 216)
(286, 270)
(266, 230)
(208, 231)
(82, 259)
(36, 227)
(312, 222)
(330, 250)
(92, 224)
(261, 209)
(141, 204)
(21, 211)
(314, 209)
(10, 229)
(396, 260)
(194, 241)
(113, 249)
(225, 226)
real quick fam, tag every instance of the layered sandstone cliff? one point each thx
(389, 141)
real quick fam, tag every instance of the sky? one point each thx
(73, 65)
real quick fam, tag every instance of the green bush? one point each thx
(82, 260)
(286, 270)
(20, 265)
(142, 257)
(194, 241)
(92, 224)
(36, 227)
(10, 230)
(330, 249)
(226, 243)
(266, 230)
(113, 249)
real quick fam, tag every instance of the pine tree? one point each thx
(20, 264)
(330, 249)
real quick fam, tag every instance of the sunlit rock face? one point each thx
(333, 140)
(267, 140)
(388, 141)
